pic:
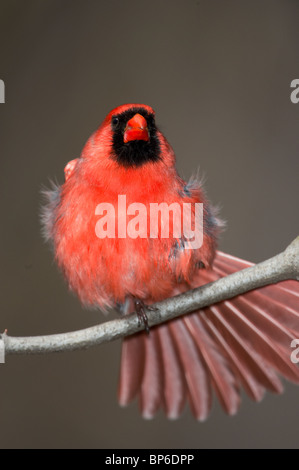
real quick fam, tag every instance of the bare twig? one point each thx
(279, 268)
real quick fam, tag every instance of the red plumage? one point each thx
(242, 342)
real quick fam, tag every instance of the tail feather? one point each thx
(223, 381)
(175, 389)
(263, 344)
(241, 368)
(282, 314)
(242, 342)
(131, 372)
(271, 300)
(284, 293)
(197, 379)
(289, 286)
(151, 390)
(257, 367)
(236, 264)
(266, 323)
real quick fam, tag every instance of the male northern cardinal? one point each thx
(244, 342)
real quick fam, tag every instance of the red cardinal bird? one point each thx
(243, 342)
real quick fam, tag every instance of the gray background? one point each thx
(218, 75)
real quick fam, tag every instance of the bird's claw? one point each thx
(141, 314)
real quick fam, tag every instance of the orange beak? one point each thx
(136, 129)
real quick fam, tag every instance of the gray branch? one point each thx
(279, 268)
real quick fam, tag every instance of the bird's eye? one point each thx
(115, 121)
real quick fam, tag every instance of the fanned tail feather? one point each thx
(174, 385)
(242, 342)
(196, 374)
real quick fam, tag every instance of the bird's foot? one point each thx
(140, 308)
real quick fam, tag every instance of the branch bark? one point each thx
(279, 268)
